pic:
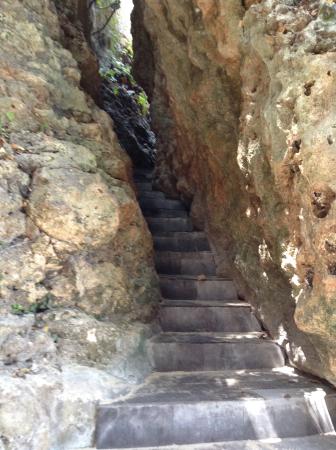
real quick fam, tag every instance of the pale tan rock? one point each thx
(72, 206)
(72, 237)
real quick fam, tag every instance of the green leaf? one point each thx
(142, 101)
(42, 305)
(18, 310)
(10, 116)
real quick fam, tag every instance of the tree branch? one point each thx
(115, 5)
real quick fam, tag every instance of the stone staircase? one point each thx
(219, 381)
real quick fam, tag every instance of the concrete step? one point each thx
(140, 177)
(207, 318)
(171, 224)
(187, 263)
(193, 409)
(213, 351)
(142, 171)
(151, 194)
(161, 203)
(191, 288)
(144, 186)
(315, 442)
(205, 303)
(184, 242)
(164, 212)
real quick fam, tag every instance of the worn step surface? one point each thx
(207, 318)
(166, 213)
(143, 176)
(213, 351)
(204, 303)
(191, 288)
(260, 405)
(188, 263)
(317, 442)
(143, 186)
(152, 194)
(195, 241)
(160, 203)
(169, 224)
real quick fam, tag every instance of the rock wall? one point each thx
(77, 283)
(243, 105)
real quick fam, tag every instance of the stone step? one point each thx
(151, 194)
(140, 177)
(188, 263)
(212, 318)
(143, 171)
(144, 186)
(193, 409)
(161, 203)
(184, 242)
(213, 351)
(191, 288)
(164, 212)
(205, 303)
(315, 442)
(170, 224)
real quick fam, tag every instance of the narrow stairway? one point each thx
(218, 379)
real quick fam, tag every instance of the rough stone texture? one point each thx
(242, 101)
(74, 246)
(131, 125)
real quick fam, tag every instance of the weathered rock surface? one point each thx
(74, 247)
(242, 102)
(131, 125)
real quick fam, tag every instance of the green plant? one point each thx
(328, 10)
(112, 5)
(142, 101)
(118, 70)
(10, 115)
(44, 127)
(18, 309)
(5, 121)
(41, 305)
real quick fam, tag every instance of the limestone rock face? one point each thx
(75, 252)
(243, 104)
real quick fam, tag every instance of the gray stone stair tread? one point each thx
(191, 255)
(218, 319)
(158, 224)
(143, 185)
(315, 442)
(143, 171)
(168, 219)
(210, 337)
(204, 304)
(164, 213)
(220, 395)
(181, 240)
(232, 379)
(183, 234)
(177, 387)
(151, 194)
(160, 203)
(194, 277)
(190, 263)
(139, 177)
